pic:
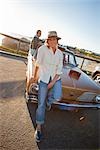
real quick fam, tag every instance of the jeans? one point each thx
(54, 94)
(34, 53)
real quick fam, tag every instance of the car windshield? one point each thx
(68, 58)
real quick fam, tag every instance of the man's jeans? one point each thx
(54, 94)
(34, 53)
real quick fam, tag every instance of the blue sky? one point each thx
(76, 21)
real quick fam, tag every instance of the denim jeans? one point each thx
(49, 96)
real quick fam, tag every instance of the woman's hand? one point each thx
(50, 85)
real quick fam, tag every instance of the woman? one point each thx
(49, 64)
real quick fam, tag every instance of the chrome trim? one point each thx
(78, 105)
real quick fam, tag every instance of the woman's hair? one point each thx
(46, 43)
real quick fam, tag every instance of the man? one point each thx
(49, 63)
(35, 44)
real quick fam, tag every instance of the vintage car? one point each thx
(79, 90)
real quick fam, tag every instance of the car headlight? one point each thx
(35, 86)
(98, 99)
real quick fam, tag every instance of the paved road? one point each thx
(63, 130)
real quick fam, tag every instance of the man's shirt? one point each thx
(49, 63)
(35, 42)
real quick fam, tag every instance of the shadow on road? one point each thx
(63, 130)
(12, 56)
(12, 89)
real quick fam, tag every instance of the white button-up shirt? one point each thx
(49, 63)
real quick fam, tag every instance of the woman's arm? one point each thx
(50, 85)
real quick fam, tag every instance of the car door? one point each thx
(70, 77)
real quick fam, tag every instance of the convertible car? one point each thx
(79, 90)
